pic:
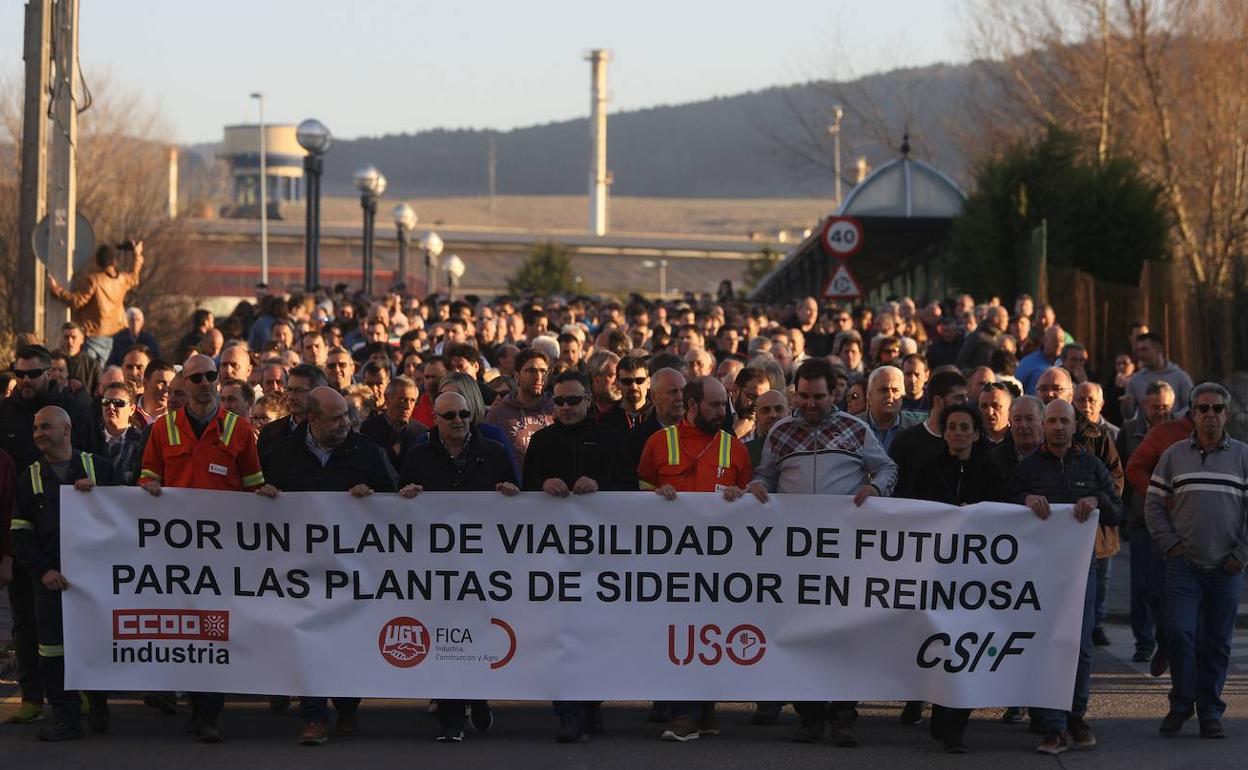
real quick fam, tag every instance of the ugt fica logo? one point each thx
(744, 645)
(403, 642)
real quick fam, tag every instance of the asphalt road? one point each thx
(1126, 707)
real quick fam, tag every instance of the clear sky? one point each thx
(371, 67)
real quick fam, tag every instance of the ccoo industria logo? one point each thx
(171, 636)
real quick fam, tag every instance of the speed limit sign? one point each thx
(842, 236)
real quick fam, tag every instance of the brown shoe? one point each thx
(313, 734)
(347, 726)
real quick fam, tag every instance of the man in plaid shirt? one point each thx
(822, 451)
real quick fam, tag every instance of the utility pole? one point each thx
(36, 52)
(62, 181)
(492, 169)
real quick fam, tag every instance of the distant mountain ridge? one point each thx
(724, 147)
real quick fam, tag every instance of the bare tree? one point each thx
(123, 157)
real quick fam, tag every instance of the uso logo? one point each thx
(403, 642)
(743, 645)
(197, 625)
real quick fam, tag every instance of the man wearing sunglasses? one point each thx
(119, 440)
(1195, 512)
(576, 455)
(458, 458)
(202, 446)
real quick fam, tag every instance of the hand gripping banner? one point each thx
(602, 596)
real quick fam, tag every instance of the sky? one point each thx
(384, 66)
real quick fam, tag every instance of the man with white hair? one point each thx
(133, 334)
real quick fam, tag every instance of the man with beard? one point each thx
(695, 455)
(820, 450)
(529, 408)
(325, 455)
(751, 382)
(576, 455)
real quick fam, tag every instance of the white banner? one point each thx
(605, 596)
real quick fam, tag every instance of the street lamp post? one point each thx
(662, 266)
(264, 197)
(371, 184)
(404, 222)
(314, 137)
(431, 242)
(835, 131)
(454, 271)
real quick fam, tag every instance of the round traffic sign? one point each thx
(842, 236)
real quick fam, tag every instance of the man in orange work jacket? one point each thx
(202, 446)
(694, 455)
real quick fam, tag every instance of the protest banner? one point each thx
(602, 596)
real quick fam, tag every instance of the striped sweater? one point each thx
(1197, 499)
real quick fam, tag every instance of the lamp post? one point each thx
(314, 137)
(835, 131)
(264, 197)
(404, 222)
(454, 271)
(431, 242)
(371, 184)
(662, 266)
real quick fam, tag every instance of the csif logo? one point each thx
(743, 645)
(968, 651)
(403, 642)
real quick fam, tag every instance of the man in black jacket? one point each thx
(392, 427)
(299, 384)
(1060, 471)
(36, 530)
(34, 391)
(324, 454)
(576, 455)
(457, 458)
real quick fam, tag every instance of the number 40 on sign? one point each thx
(842, 236)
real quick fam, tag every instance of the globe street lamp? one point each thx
(314, 137)
(454, 271)
(371, 184)
(404, 223)
(431, 242)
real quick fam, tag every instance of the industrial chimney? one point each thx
(599, 177)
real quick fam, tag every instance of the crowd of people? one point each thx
(955, 401)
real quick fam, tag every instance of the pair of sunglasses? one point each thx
(632, 380)
(568, 400)
(32, 374)
(199, 377)
(462, 414)
(116, 403)
(1217, 408)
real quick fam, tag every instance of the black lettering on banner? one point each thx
(758, 537)
(178, 533)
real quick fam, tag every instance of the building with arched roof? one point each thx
(905, 209)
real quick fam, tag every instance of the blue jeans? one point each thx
(316, 709)
(99, 348)
(1148, 590)
(1054, 720)
(1200, 618)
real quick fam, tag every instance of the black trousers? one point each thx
(25, 635)
(838, 711)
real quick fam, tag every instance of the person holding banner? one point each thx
(456, 457)
(325, 455)
(960, 476)
(820, 450)
(36, 529)
(202, 446)
(1061, 471)
(695, 455)
(576, 455)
